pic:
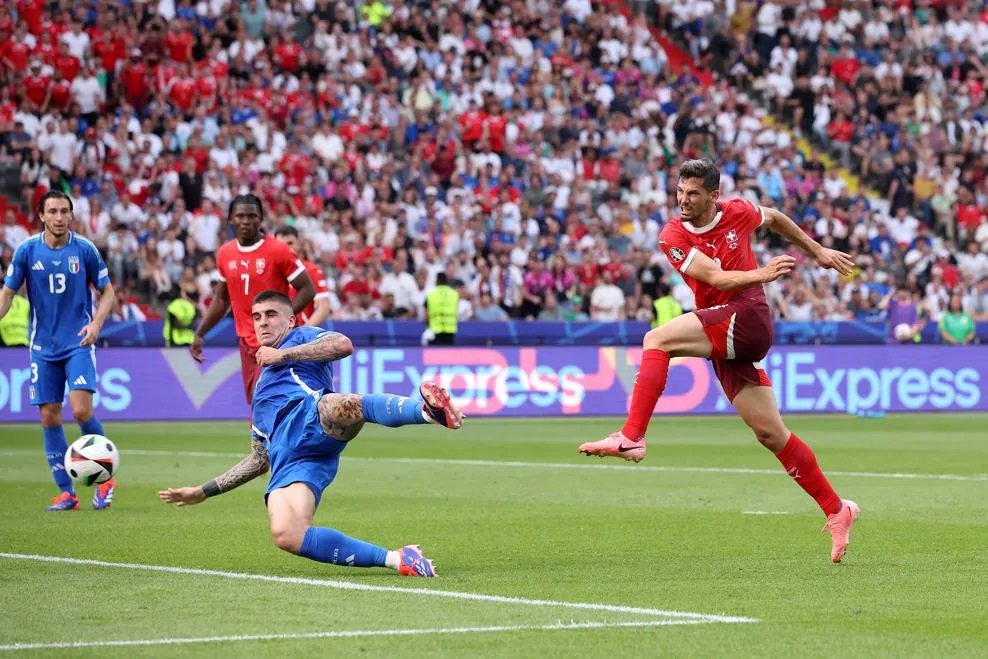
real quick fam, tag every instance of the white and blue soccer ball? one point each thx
(92, 459)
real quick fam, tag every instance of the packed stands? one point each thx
(528, 149)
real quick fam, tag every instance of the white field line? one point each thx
(349, 585)
(573, 465)
(343, 634)
(766, 512)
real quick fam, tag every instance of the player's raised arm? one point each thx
(255, 464)
(327, 347)
(703, 268)
(783, 225)
(218, 307)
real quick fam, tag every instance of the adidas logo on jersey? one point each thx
(80, 380)
(38, 265)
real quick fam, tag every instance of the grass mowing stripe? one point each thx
(567, 465)
(347, 585)
(345, 634)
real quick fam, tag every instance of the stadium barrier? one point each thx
(167, 384)
(527, 333)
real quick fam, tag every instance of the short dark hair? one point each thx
(247, 198)
(272, 296)
(703, 169)
(441, 279)
(287, 230)
(53, 194)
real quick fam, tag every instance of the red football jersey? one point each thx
(322, 289)
(265, 265)
(726, 240)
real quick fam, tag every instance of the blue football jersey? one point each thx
(58, 283)
(282, 383)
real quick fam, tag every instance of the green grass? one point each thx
(655, 536)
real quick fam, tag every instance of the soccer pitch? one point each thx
(705, 549)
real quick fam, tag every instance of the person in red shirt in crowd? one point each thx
(46, 49)
(472, 124)
(135, 78)
(495, 126)
(31, 12)
(66, 62)
(710, 245)
(296, 166)
(110, 49)
(60, 93)
(967, 211)
(179, 42)
(287, 54)
(207, 88)
(36, 87)
(247, 265)
(15, 51)
(182, 93)
(841, 132)
(609, 167)
(317, 312)
(845, 67)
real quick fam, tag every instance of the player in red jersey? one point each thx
(317, 312)
(710, 245)
(249, 264)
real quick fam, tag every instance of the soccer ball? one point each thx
(903, 332)
(91, 459)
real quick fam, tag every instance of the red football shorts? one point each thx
(249, 369)
(741, 333)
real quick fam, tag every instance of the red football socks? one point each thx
(649, 383)
(799, 462)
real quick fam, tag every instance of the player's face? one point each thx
(694, 200)
(289, 240)
(272, 321)
(246, 219)
(56, 216)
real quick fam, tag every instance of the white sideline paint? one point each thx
(766, 512)
(574, 465)
(343, 634)
(349, 585)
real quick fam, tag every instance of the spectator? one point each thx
(607, 301)
(957, 326)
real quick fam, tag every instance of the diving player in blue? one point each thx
(58, 267)
(301, 426)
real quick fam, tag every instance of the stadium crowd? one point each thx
(528, 149)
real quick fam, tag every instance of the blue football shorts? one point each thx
(49, 377)
(300, 452)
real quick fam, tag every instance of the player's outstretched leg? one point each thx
(392, 411)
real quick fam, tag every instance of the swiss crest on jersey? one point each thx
(677, 254)
(732, 239)
(232, 264)
(74, 264)
(259, 264)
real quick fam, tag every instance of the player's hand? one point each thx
(777, 267)
(267, 355)
(89, 334)
(196, 348)
(182, 496)
(839, 261)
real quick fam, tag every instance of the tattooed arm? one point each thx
(327, 348)
(246, 470)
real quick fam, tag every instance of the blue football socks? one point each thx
(331, 546)
(55, 447)
(392, 411)
(92, 427)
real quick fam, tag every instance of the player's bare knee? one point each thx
(82, 415)
(341, 415)
(51, 416)
(288, 538)
(772, 437)
(655, 339)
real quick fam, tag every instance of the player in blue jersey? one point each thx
(58, 267)
(301, 426)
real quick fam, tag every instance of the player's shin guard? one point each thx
(331, 546)
(391, 411)
(92, 427)
(55, 447)
(799, 462)
(649, 384)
